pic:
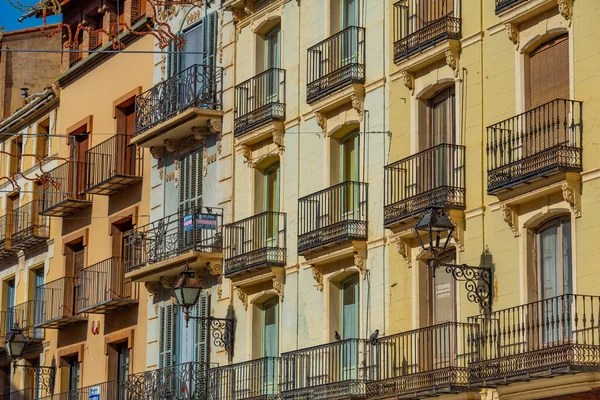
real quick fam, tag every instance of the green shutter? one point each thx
(210, 38)
(167, 333)
(190, 181)
(202, 331)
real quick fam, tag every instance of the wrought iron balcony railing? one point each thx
(336, 62)
(199, 86)
(199, 229)
(24, 315)
(66, 195)
(559, 335)
(25, 394)
(503, 5)
(420, 25)
(331, 371)
(113, 390)
(29, 227)
(104, 287)
(183, 381)
(259, 100)
(424, 362)
(432, 177)
(256, 379)
(537, 143)
(255, 242)
(5, 237)
(334, 215)
(59, 303)
(114, 165)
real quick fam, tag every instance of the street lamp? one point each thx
(187, 291)
(436, 225)
(16, 341)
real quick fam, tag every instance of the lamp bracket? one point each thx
(221, 330)
(478, 281)
(44, 376)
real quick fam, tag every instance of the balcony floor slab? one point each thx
(172, 266)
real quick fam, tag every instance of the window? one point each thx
(17, 155)
(43, 141)
(79, 146)
(349, 152)
(201, 39)
(349, 312)
(549, 72)
(271, 203)
(273, 48)
(190, 181)
(270, 342)
(168, 330)
(125, 116)
(441, 117)
(75, 263)
(349, 13)
(9, 286)
(74, 372)
(554, 257)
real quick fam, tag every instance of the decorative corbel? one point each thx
(205, 161)
(249, 7)
(220, 287)
(357, 104)
(157, 152)
(215, 125)
(511, 218)
(404, 250)
(569, 193)
(317, 274)
(361, 263)
(452, 61)
(168, 281)
(565, 8)
(219, 143)
(238, 15)
(171, 145)
(409, 81)
(322, 122)
(200, 277)
(278, 140)
(200, 134)
(247, 153)
(152, 287)
(513, 33)
(243, 296)
(278, 285)
(214, 269)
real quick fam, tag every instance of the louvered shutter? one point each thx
(549, 72)
(78, 263)
(210, 38)
(190, 181)
(173, 60)
(202, 334)
(167, 333)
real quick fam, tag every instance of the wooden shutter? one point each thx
(167, 333)
(549, 72)
(173, 60)
(190, 181)
(78, 263)
(210, 38)
(202, 331)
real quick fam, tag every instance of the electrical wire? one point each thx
(68, 136)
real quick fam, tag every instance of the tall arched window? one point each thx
(554, 258)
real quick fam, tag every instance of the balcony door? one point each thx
(271, 203)
(439, 347)
(349, 172)
(350, 328)
(123, 360)
(349, 12)
(74, 376)
(272, 60)
(79, 146)
(190, 199)
(10, 305)
(39, 281)
(270, 344)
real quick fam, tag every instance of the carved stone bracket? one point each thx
(220, 287)
(243, 296)
(168, 281)
(511, 218)
(317, 274)
(278, 140)
(200, 277)
(404, 250)
(247, 153)
(278, 285)
(214, 269)
(565, 8)
(361, 262)
(200, 134)
(570, 195)
(322, 122)
(513, 32)
(249, 7)
(357, 104)
(171, 145)
(409, 81)
(457, 236)
(157, 152)
(238, 15)
(452, 61)
(215, 125)
(152, 287)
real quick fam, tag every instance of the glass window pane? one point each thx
(567, 257)
(549, 262)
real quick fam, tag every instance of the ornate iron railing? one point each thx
(199, 86)
(25, 394)
(424, 362)
(104, 287)
(114, 165)
(255, 242)
(334, 215)
(431, 178)
(183, 381)
(113, 390)
(256, 379)
(331, 371)
(29, 227)
(199, 229)
(503, 5)
(336, 62)
(24, 315)
(536, 143)
(259, 100)
(65, 195)
(59, 303)
(548, 337)
(419, 25)
(5, 237)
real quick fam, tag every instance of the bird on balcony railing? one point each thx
(374, 336)
(337, 336)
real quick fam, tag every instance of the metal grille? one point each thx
(256, 379)
(503, 5)
(29, 228)
(66, 194)
(178, 382)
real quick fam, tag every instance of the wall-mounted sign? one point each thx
(188, 223)
(207, 221)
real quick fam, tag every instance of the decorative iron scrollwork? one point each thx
(221, 331)
(44, 376)
(478, 281)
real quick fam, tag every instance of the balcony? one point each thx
(5, 239)
(546, 338)
(164, 246)
(332, 216)
(425, 362)
(338, 370)
(25, 315)
(65, 192)
(104, 287)
(183, 381)
(170, 109)
(431, 178)
(254, 243)
(419, 26)
(335, 63)
(113, 390)
(260, 101)
(114, 166)
(59, 302)
(256, 379)
(29, 227)
(25, 394)
(503, 5)
(539, 143)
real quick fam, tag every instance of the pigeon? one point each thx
(337, 336)
(374, 336)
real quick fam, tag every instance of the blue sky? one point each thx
(9, 16)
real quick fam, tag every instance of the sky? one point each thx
(9, 16)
